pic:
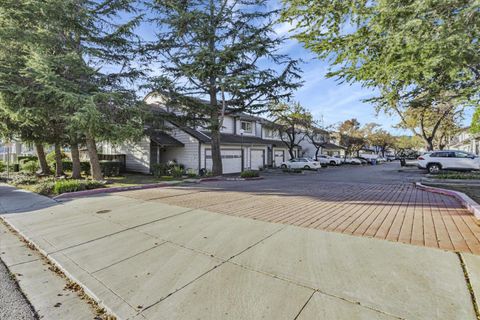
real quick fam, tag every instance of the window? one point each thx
(463, 155)
(268, 133)
(442, 155)
(247, 127)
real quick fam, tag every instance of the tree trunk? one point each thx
(316, 154)
(429, 144)
(95, 169)
(42, 159)
(76, 168)
(58, 160)
(217, 166)
(290, 151)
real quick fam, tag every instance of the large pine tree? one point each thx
(75, 67)
(215, 50)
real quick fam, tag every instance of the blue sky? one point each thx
(325, 97)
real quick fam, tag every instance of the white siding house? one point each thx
(245, 144)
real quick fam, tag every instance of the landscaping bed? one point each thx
(472, 191)
(456, 175)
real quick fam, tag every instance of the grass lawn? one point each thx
(471, 191)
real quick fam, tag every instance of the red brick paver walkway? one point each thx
(392, 212)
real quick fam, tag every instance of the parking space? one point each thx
(371, 201)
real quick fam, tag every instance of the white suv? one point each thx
(448, 159)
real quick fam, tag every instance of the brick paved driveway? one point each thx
(378, 202)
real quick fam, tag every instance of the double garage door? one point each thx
(231, 160)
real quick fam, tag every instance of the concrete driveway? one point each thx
(144, 256)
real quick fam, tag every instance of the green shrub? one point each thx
(44, 188)
(3, 167)
(63, 186)
(249, 174)
(26, 158)
(176, 172)
(159, 169)
(85, 167)
(110, 168)
(51, 158)
(22, 179)
(166, 178)
(30, 166)
(168, 169)
(191, 173)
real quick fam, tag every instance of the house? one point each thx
(465, 141)
(14, 149)
(323, 141)
(247, 142)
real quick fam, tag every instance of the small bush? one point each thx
(110, 168)
(22, 179)
(3, 167)
(249, 174)
(51, 159)
(30, 166)
(44, 188)
(176, 172)
(458, 175)
(168, 169)
(63, 186)
(26, 158)
(191, 173)
(159, 169)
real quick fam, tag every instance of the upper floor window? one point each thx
(268, 133)
(246, 127)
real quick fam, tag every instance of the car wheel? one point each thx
(283, 166)
(433, 168)
(333, 163)
(306, 168)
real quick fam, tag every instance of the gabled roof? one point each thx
(165, 140)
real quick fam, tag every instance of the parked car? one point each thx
(323, 158)
(448, 160)
(381, 159)
(362, 160)
(353, 161)
(391, 158)
(348, 160)
(301, 163)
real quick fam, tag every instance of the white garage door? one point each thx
(279, 157)
(257, 157)
(231, 160)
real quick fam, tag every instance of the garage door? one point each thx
(279, 157)
(231, 160)
(257, 157)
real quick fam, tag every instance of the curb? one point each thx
(145, 186)
(110, 190)
(465, 200)
(67, 274)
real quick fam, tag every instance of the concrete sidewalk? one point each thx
(149, 260)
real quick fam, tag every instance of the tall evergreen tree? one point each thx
(75, 66)
(214, 49)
